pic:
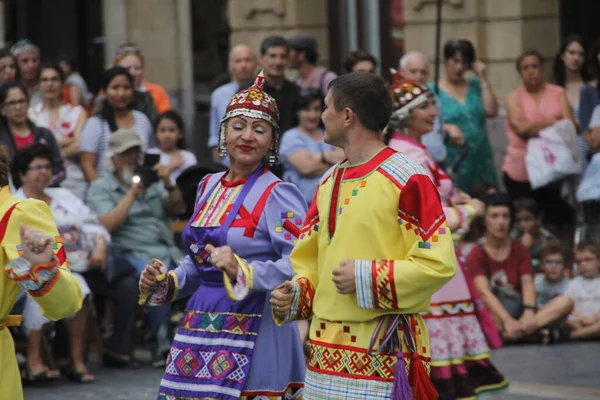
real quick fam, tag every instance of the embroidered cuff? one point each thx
(37, 279)
(364, 284)
(243, 281)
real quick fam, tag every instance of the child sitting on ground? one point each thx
(529, 231)
(553, 282)
(584, 291)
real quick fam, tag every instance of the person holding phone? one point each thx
(134, 205)
(467, 103)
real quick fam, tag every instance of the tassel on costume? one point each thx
(401, 388)
(422, 387)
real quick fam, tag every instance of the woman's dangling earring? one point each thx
(272, 159)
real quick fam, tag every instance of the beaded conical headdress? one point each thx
(253, 102)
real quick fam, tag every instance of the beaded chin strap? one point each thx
(253, 102)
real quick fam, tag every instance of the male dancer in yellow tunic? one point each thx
(374, 248)
(33, 259)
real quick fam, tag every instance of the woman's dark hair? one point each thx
(107, 113)
(500, 200)
(7, 86)
(175, 117)
(4, 166)
(24, 156)
(4, 53)
(559, 71)
(528, 53)
(69, 60)
(460, 46)
(357, 56)
(54, 66)
(528, 204)
(306, 98)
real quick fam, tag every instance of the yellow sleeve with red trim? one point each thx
(405, 284)
(60, 295)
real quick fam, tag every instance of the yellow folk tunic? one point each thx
(60, 299)
(386, 215)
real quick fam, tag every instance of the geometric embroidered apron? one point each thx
(211, 353)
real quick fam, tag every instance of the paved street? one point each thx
(566, 372)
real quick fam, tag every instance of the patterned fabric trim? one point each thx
(450, 309)
(233, 323)
(351, 362)
(384, 284)
(465, 214)
(364, 284)
(292, 391)
(307, 294)
(243, 282)
(36, 279)
(399, 168)
(332, 387)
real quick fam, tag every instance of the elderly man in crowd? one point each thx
(136, 214)
(414, 66)
(27, 55)
(242, 66)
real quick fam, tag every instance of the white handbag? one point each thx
(553, 155)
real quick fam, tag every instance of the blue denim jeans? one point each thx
(127, 264)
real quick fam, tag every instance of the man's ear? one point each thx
(349, 116)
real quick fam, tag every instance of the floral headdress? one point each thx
(406, 95)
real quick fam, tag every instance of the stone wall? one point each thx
(500, 30)
(253, 20)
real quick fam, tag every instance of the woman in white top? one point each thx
(116, 113)
(65, 121)
(171, 145)
(85, 241)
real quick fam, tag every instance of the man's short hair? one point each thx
(366, 95)
(307, 44)
(273, 41)
(553, 247)
(24, 46)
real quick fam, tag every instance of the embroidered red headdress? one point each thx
(253, 102)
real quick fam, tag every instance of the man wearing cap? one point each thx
(28, 62)
(137, 219)
(303, 57)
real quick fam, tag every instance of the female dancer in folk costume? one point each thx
(461, 331)
(33, 260)
(238, 241)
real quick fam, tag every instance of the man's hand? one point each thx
(37, 246)
(224, 260)
(344, 277)
(163, 172)
(281, 300)
(136, 189)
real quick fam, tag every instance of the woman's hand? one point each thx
(176, 161)
(224, 260)
(480, 69)
(478, 206)
(455, 135)
(148, 281)
(37, 246)
(281, 300)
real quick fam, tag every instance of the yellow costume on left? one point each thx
(59, 296)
